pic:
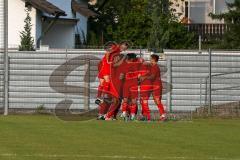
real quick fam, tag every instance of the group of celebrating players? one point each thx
(121, 79)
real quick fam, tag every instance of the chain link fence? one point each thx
(54, 79)
(220, 90)
(68, 79)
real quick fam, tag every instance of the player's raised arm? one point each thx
(118, 63)
(116, 49)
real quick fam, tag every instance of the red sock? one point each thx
(133, 109)
(124, 107)
(161, 109)
(145, 110)
(103, 108)
(117, 110)
(112, 110)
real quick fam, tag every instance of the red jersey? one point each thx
(132, 70)
(130, 86)
(115, 50)
(107, 60)
(104, 68)
(155, 71)
(115, 77)
(145, 71)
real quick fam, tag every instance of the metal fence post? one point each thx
(205, 94)
(200, 93)
(210, 82)
(87, 85)
(6, 60)
(65, 72)
(169, 80)
(200, 44)
(141, 56)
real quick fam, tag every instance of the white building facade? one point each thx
(1, 24)
(48, 27)
(16, 16)
(197, 11)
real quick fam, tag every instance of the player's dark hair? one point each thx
(126, 43)
(131, 56)
(108, 46)
(155, 57)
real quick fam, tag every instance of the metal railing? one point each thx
(209, 90)
(207, 31)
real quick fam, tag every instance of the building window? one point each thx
(186, 9)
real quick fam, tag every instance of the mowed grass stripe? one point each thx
(48, 136)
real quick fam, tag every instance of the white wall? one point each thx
(16, 16)
(200, 9)
(220, 6)
(60, 36)
(1, 23)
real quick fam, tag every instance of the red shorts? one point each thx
(130, 90)
(100, 75)
(146, 89)
(157, 91)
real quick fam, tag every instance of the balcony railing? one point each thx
(208, 31)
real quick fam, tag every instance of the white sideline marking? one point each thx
(112, 157)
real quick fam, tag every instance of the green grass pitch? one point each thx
(48, 138)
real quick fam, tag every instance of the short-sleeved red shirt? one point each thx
(115, 50)
(106, 62)
(155, 71)
(132, 71)
(115, 78)
(145, 70)
(130, 86)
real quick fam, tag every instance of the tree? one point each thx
(135, 24)
(101, 28)
(166, 32)
(146, 23)
(27, 41)
(231, 38)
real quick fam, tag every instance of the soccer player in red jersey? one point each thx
(130, 87)
(116, 87)
(105, 69)
(155, 87)
(103, 107)
(156, 81)
(109, 111)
